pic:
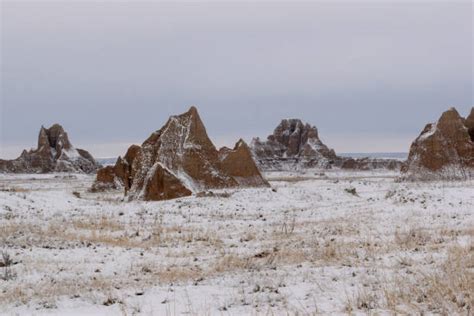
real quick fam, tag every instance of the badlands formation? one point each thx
(179, 160)
(55, 153)
(444, 150)
(335, 242)
(296, 146)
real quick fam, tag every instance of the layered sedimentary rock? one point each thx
(444, 150)
(470, 124)
(368, 163)
(55, 153)
(178, 160)
(239, 164)
(295, 145)
(120, 175)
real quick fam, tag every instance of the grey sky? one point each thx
(368, 75)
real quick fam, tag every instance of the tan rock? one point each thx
(470, 124)
(183, 149)
(163, 185)
(444, 150)
(239, 164)
(120, 175)
(177, 160)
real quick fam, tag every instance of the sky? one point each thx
(369, 75)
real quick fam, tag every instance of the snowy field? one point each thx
(316, 243)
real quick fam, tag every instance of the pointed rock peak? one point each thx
(193, 110)
(450, 119)
(196, 119)
(192, 113)
(180, 159)
(450, 114)
(190, 118)
(240, 143)
(43, 139)
(470, 117)
(239, 163)
(132, 153)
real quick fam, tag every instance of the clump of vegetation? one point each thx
(6, 264)
(390, 194)
(352, 191)
(213, 194)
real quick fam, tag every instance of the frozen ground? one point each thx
(332, 243)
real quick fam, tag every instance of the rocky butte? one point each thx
(295, 145)
(179, 160)
(55, 153)
(444, 150)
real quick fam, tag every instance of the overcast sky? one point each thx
(368, 75)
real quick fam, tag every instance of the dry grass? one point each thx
(395, 270)
(47, 291)
(14, 189)
(447, 289)
(295, 179)
(412, 238)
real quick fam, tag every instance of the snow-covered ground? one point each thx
(316, 243)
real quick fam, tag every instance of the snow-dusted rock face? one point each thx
(182, 150)
(55, 153)
(120, 175)
(293, 144)
(178, 160)
(296, 146)
(368, 163)
(444, 150)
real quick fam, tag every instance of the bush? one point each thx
(6, 264)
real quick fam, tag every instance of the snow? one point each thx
(427, 134)
(315, 144)
(305, 246)
(187, 181)
(71, 153)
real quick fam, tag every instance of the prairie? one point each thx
(332, 243)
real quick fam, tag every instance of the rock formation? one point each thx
(292, 144)
(55, 153)
(470, 124)
(176, 161)
(239, 164)
(120, 175)
(444, 150)
(368, 163)
(295, 145)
